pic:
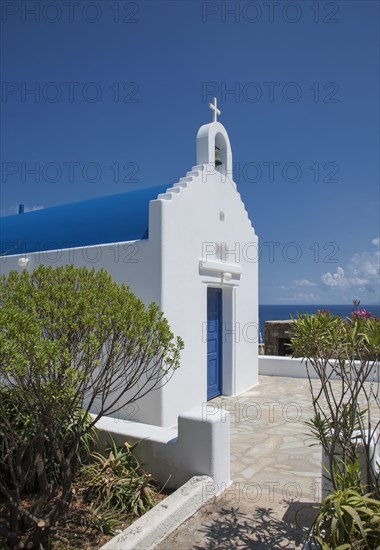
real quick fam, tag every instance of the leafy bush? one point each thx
(347, 520)
(345, 412)
(118, 481)
(18, 464)
(101, 519)
(346, 422)
(71, 339)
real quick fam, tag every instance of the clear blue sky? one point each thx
(121, 89)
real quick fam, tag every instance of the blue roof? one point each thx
(110, 219)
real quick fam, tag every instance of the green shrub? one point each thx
(118, 481)
(71, 340)
(101, 518)
(18, 463)
(347, 520)
(344, 355)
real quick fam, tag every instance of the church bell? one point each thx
(218, 158)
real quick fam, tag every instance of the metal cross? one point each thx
(215, 110)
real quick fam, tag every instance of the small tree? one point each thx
(70, 339)
(346, 412)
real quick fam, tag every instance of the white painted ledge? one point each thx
(220, 267)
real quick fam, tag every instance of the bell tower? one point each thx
(213, 144)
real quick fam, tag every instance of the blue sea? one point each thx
(278, 313)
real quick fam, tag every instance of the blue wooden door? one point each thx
(214, 342)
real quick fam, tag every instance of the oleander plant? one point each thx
(344, 355)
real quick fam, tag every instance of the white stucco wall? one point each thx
(135, 263)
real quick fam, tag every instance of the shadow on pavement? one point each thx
(260, 530)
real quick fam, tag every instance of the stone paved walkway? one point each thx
(276, 474)
(270, 445)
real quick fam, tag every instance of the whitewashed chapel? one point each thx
(189, 247)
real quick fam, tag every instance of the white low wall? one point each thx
(273, 365)
(200, 447)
